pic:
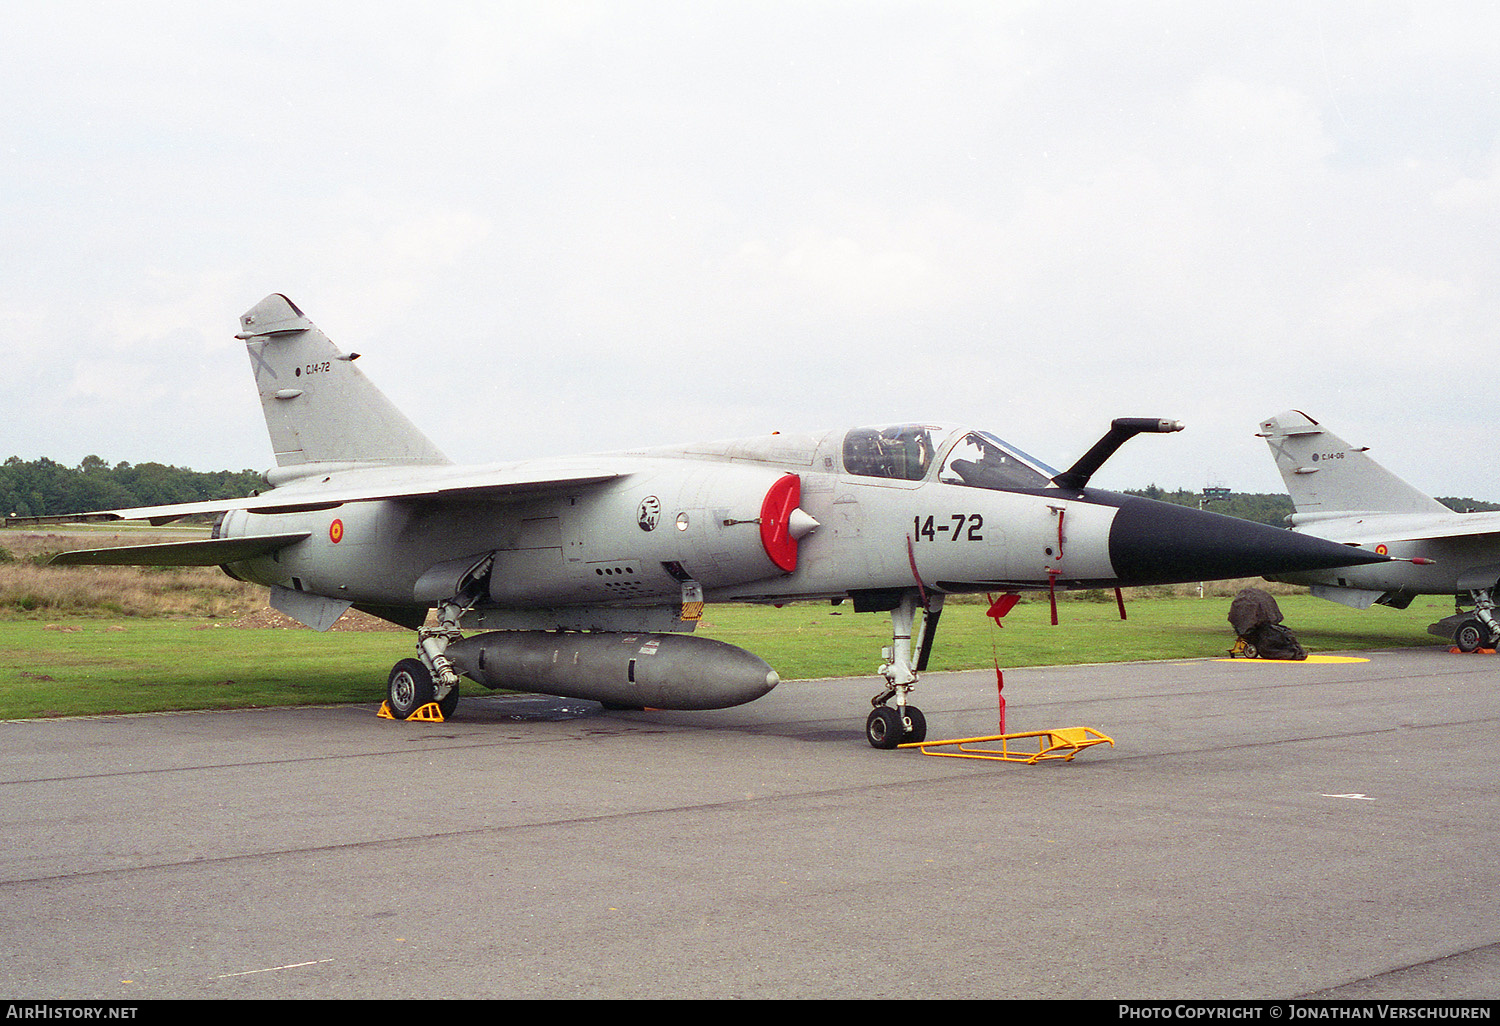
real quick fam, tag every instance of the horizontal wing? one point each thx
(336, 489)
(1457, 531)
(1369, 528)
(211, 552)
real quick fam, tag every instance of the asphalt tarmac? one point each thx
(1258, 831)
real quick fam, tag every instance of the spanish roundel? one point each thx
(336, 531)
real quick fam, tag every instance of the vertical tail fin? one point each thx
(319, 408)
(1324, 474)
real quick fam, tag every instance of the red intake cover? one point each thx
(775, 516)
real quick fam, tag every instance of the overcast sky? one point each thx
(557, 227)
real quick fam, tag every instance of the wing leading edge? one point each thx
(210, 552)
(438, 484)
(1398, 527)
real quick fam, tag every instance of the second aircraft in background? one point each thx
(1343, 495)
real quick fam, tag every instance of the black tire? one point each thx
(410, 688)
(916, 726)
(1471, 636)
(883, 728)
(449, 704)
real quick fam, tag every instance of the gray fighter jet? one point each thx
(586, 576)
(1341, 494)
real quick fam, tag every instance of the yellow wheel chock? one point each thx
(1062, 743)
(429, 713)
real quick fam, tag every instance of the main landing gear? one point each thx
(1479, 629)
(411, 687)
(886, 727)
(430, 678)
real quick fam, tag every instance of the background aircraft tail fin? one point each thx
(1325, 474)
(319, 408)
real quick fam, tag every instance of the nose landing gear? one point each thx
(887, 727)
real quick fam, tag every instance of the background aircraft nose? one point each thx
(1154, 542)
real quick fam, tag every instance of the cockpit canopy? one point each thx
(903, 452)
(906, 452)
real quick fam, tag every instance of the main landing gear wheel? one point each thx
(1471, 636)
(410, 687)
(886, 727)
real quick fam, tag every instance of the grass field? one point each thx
(82, 664)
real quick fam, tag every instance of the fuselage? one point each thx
(883, 509)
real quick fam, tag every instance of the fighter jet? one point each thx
(1341, 494)
(585, 577)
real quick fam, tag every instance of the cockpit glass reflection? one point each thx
(903, 452)
(980, 460)
(906, 452)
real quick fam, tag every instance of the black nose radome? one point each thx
(1158, 543)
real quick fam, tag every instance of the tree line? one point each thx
(41, 488)
(1271, 508)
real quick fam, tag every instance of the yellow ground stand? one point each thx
(1063, 743)
(1312, 660)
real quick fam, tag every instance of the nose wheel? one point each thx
(885, 728)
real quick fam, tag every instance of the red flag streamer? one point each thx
(1120, 601)
(1052, 592)
(1000, 691)
(998, 608)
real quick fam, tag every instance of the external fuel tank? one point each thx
(658, 671)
